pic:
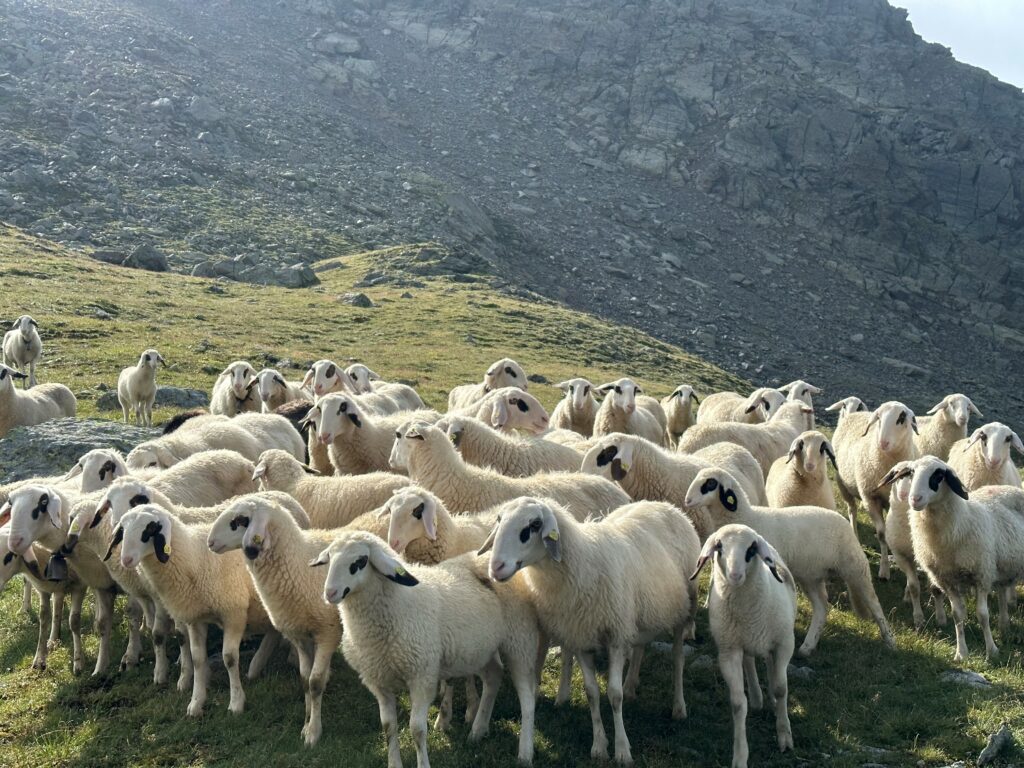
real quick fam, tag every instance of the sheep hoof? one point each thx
(195, 710)
(785, 740)
(624, 757)
(805, 651)
(599, 751)
(38, 664)
(679, 712)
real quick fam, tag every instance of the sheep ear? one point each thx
(499, 414)
(936, 408)
(728, 497)
(116, 539)
(354, 418)
(871, 421)
(768, 554)
(830, 452)
(33, 323)
(391, 568)
(974, 409)
(165, 457)
(893, 475)
(259, 471)
(413, 433)
(563, 385)
(975, 437)
(489, 541)
(307, 380)
(836, 406)
(706, 553)
(815, 390)
(622, 462)
(954, 484)
(550, 536)
(913, 424)
(226, 371)
(794, 449)
(605, 388)
(310, 470)
(1016, 442)
(385, 512)
(75, 471)
(322, 559)
(429, 517)
(693, 396)
(5, 513)
(53, 508)
(256, 538)
(372, 375)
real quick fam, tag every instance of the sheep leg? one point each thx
(731, 664)
(134, 650)
(104, 622)
(633, 675)
(755, 698)
(55, 611)
(956, 602)
(229, 652)
(678, 664)
(161, 629)
(200, 668)
(940, 607)
(420, 698)
(526, 690)
(444, 710)
(148, 413)
(26, 598)
(185, 674)
(851, 504)
(263, 654)
(45, 619)
(818, 595)
(1011, 596)
(389, 721)
(565, 678)
(913, 591)
(125, 412)
(878, 520)
(304, 652)
(491, 676)
(991, 650)
(75, 622)
(318, 677)
(616, 663)
(599, 749)
(31, 374)
(472, 699)
(1004, 610)
(778, 663)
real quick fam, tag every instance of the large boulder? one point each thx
(146, 257)
(166, 397)
(51, 448)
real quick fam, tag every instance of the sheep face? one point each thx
(31, 510)
(895, 422)
(736, 551)
(10, 561)
(610, 457)
(25, 325)
(512, 408)
(98, 468)
(932, 478)
(355, 558)
(683, 394)
(505, 373)
(7, 377)
(577, 392)
(622, 393)
(810, 451)
(526, 533)
(269, 382)
(120, 498)
(228, 530)
(326, 377)
(995, 441)
(336, 414)
(143, 532)
(413, 516)
(847, 405)
(362, 378)
(151, 359)
(713, 489)
(958, 409)
(802, 391)
(150, 455)
(764, 403)
(407, 437)
(241, 375)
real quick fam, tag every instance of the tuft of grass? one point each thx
(861, 704)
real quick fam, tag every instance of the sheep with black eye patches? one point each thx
(431, 461)
(816, 543)
(503, 373)
(22, 348)
(623, 411)
(752, 609)
(34, 406)
(800, 478)
(410, 627)
(508, 409)
(198, 588)
(513, 456)
(274, 390)
(847, 405)
(577, 408)
(966, 542)
(326, 377)
(234, 391)
(612, 585)
(136, 388)
(422, 530)
(365, 381)
(802, 392)
(984, 458)
(680, 412)
(755, 408)
(330, 502)
(645, 471)
(945, 424)
(863, 459)
(358, 442)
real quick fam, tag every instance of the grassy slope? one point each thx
(861, 698)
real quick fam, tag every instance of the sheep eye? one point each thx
(418, 512)
(342, 408)
(510, 372)
(767, 405)
(751, 551)
(572, 389)
(806, 391)
(586, 390)
(398, 435)
(138, 500)
(522, 406)
(902, 418)
(618, 390)
(1008, 439)
(44, 500)
(329, 373)
(358, 565)
(151, 464)
(709, 485)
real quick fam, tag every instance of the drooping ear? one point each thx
(160, 359)
(706, 553)
(385, 512)
(33, 323)
(226, 371)
(159, 532)
(372, 375)
(975, 437)
(891, 476)
(830, 452)
(414, 433)
(1016, 442)
(256, 538)
(53, 508)
(728, 497)
(838, 406)
(794, 449)
(693, 396)
(955, 485)
(974, 409)
(260, 471)
(913, 424)
(75, 471)
(322, 559)
(623, 461)
(354, 418)
(871, 422)
(428, 514)
(116, 539)
(768, 554)
(310, 470)
(307, 380)
(164, 456)
(499, 413)
(563, 385)
(390, 567)
(5, 513)
(550, 535)
(489, 541)
(604, 389)
(492, 370)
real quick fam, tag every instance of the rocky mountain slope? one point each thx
(787, 187)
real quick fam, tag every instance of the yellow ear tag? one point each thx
(624, 465)
(76, 526)
(257, 539)
(453, 438)
(399, 570)
(553, 535)
(167, 549)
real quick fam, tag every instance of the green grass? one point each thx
(861, 698)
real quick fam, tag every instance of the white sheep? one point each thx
(327, 377)
(679, 411)
(330, 502)
(274, 390)
(25, 409)
(645, 471)
(576, 410)
(752, 609)
(197, 588)
(621, 411)
(234, 391)
(442, 622)
(945, 423)
(847, 405)
(478, 444)
(204, 478)
(862, 462)
(612, 585)
(967, 542)
(755, 408)
(429, 458)
(422, 530)
(508, 409)
(503, 373)
(277, 554)
(136, 388)
(97, 469)
(816, 544)
(365, 381)
(23, 348)
(799, 478)
(984, 459)
(767, 441)
(801, 391)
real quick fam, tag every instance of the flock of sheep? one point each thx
(291, 504)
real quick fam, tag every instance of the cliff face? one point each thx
(799, 188)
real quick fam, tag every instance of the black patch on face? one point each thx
(418, 512)
(358, 565)
(751, 552)
(522, 406)
(110, 467)
(936, 479)
(727, 497)
(138, 500)
(532, 528)
(44, 502)
(709, 485)
(902, 418)
(331, 370)
(3, 374)
(510, 372)
(239, 520)
(154, 531)
(345, 593)
(607, 455)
